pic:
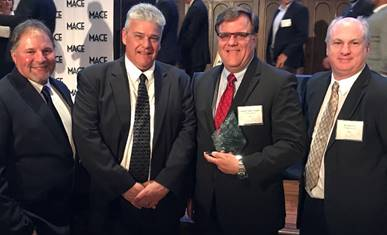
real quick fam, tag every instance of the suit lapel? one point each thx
(162, 92)
(211, 84)
(249, 82)
(354, 97)
(120, 88)
(37, 104)
(317, 97)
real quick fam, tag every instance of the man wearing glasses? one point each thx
(240, 191)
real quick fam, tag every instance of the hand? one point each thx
(34, 232)
(130, 194)
(151, 195)
(281, 59)
(226, 162)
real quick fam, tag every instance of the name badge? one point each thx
(349, 130)
(286, 23)
(250, 115)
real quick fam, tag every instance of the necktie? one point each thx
(47, 96)
(139, 162)
(225, 101)
(321, 138)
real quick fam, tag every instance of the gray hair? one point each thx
(26, 26)
(233, 13)
(147, 12)
(363, 22)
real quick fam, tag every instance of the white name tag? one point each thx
(250, 115)
(349, 130)
(5, 31)
(286, 23)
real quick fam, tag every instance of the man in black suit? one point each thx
(43, 10)
(169, 50)
(358, 8)
(345, 186)
(241, 192)
(287, 35)
(133, 111)
(193, 38)
(36, 149)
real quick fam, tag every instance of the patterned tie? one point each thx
(225, 101)
(139, 162)
(320, 140)
(46, 92)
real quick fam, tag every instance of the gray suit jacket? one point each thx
(377, 57)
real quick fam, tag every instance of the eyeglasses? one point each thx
(237, 35)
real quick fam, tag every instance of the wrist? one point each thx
(242, 174)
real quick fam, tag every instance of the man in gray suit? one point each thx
(134, 127)
(377, 57)
(240, 191)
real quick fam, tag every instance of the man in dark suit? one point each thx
(36, 150)
(287, 35)
(193, 38)
(358, 8)
(345, 186)
(169, 50)
(241, 192)
(134, 127)
(43, 10)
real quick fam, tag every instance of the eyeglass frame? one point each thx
(237, 35)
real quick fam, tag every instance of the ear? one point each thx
(123, 36)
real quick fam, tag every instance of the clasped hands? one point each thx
(225, 162)
(146, 195)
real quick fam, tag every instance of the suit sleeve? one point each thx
(383, 48)
(179, 167)
(91, 146)
(13, 219)
(300, 21)
(288, 136)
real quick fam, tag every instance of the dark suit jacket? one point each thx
(169, 50)
(290, 40)
(101, 119)
(355, 172)
(36, 161)
(193, 37)
(256, 204)
(361, 8)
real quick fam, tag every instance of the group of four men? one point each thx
(140, 126)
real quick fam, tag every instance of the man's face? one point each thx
(347, 49)
(34, 56)
(236, 51)
(6, 6)
(142, 41)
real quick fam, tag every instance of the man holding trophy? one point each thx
(250, 129)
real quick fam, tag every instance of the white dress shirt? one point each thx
(277, 21)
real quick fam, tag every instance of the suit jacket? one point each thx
(101, 120)
(377, 57)
(361, 8)
(36, 161)
(256, 204)
(193, 37)
(290, 39)
(355, 172)
(169, 49)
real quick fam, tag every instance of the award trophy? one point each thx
(229, 137)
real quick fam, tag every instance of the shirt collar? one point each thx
(134, 73)
(38, 86)
(284, 8)
(346, 84)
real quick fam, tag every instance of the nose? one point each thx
(40, 56)
(233, 40)
(345, 49)
(146, 42)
